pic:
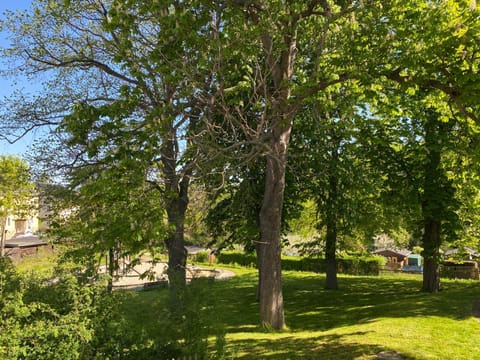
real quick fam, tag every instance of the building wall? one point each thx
(17, 226)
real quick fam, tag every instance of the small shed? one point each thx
(460, 270)
(415, 260)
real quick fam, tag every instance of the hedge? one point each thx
(346, 265)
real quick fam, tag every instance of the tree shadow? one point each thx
(320, 347)
(360, 300)
(308, 306)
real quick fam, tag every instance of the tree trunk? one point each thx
(431, 254)
(176, 198)
(111, 268)
(432, 205)
(3, 236)
(270, 280)
(270, 218)
(331, 281)
(175, 242)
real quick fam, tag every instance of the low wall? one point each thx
(18, 253)
(465, 270)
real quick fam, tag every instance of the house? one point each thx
(396, 259)
(21, 226)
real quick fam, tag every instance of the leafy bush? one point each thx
(234, 257)
(201, 257)
(346, 265)
(40, 324)
(65, 319)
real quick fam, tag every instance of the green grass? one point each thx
(366, 316)
(41, 263)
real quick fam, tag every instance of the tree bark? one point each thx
(270, 280)
(3, 237)
(431, 254)
(176, 196)
(175, 242)
(331, 281)
(432, 205)
(111, 268)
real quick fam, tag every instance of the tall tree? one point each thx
(336, 173)
(425, 147)
(120, 75)
(286, 56)
(286, 52)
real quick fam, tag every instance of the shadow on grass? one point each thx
(311, 308)
(308, 306)
(363, 299)
(321, 347)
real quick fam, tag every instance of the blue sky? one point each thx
(7, 86)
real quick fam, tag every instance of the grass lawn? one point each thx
(41, 263)
(366, 316)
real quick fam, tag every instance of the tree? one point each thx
(108, 212)
(426, 143)
(431, 49)
(16, 192)
(336, 171)
(119, 86)
(285, 58)
(283, 53)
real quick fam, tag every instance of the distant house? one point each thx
(396, 259)
(403, 260)
(465, 253)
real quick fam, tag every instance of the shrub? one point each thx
(366, 265)
(235, 257)
(201, 256)
(40, 324)
(65, 319)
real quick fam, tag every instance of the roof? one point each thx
(465, 249)
(23, 241)
(193, 249)
(393, 252)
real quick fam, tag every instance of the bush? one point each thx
(235, 257)
(65, 319)
(37, 323)
(366, 265)
(202, 257)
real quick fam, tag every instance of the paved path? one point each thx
(157, 274)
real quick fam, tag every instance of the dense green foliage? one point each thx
(351, 265)
(66, 318)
